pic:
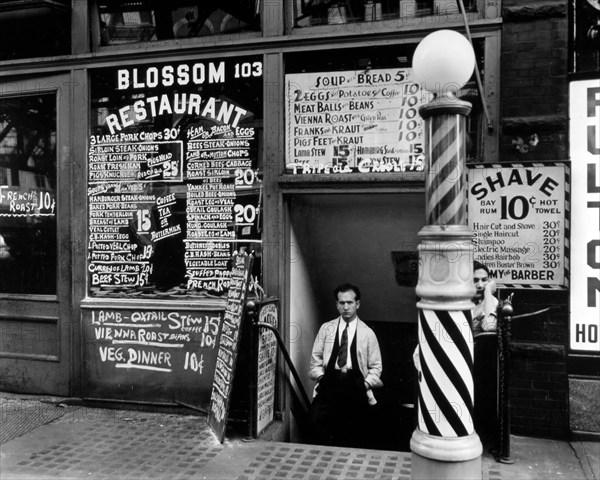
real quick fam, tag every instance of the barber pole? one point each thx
(445, 134)
(445, 444)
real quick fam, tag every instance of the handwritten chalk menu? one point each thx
(150, 355)
(20, 202)
(174, 183)
(354, 121)
(517, 214)
(266, 366)
(228, 345)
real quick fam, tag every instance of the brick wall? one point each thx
(538, 387)
(534, 92)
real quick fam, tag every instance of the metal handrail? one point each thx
(505, 310)
(287, 357)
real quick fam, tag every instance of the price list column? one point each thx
(212, 159)
(122, 227)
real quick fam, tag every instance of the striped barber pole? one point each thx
(445, 182)
(446, 383)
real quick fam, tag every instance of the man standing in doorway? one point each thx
(346, 364)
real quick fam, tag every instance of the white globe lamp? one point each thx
(443, 62)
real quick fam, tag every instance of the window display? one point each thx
(335, 12)
(28, 194)
(174, 179)
(143, 21)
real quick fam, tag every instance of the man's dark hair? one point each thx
(480, 266)
(346, 287)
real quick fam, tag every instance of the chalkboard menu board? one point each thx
(150, 355)
(174, 177)
(354, 122)
(228, 345)
(266, 365)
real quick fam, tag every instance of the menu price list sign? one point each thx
(229, 340)
(266, 366)
(18, 202)
(517, 214)
(354, 121)
(169, 206)
(150, 355)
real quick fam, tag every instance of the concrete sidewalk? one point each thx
(48, 440)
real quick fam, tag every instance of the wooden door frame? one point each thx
(49, 372)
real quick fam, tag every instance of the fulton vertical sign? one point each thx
(585, 228)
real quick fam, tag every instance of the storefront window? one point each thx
(174, 177)
(335, 12)
(33, 28)
(147, 20)
(28, 194)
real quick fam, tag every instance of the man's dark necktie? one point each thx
(343, 355)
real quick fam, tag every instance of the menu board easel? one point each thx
(229, 341)
(266, 364)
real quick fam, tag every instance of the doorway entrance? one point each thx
(35, 344)
(370, 240)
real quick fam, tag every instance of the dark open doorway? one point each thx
(358, 238)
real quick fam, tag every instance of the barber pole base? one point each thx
(457, 458)
(444, 444)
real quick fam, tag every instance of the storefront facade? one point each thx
(145, 148)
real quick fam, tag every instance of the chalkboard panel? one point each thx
(266, 364)
(228, 345)
(150, 355)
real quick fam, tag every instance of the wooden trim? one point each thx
(273, 151)
(182, 51)
(201, 304)
(94, 12)
(80, 27)
(30, 356)
(18, 297)
(272, 17)
(29, 318)
(80, 115)
(401, 181)
(491, 87)
(31, 306)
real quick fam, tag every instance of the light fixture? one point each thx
(443, 62)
